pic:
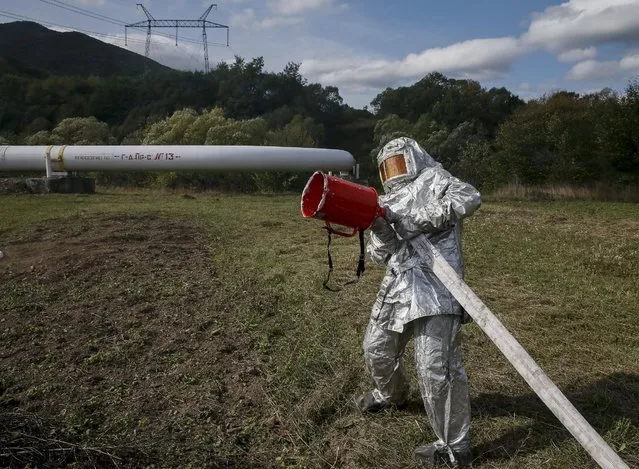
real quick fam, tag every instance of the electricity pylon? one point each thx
(202, 22)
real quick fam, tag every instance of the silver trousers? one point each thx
(442, 380)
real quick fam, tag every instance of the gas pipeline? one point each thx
(61, 159)
(337, 201)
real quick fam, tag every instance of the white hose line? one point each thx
(547, 391)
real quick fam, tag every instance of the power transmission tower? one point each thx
(202, 22)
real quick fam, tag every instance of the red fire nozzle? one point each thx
(341, 202)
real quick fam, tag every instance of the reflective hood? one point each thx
(400, 161)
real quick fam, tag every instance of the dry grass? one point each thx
(596, 192)
(245, 361)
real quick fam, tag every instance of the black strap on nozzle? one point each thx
(361, 267)
(330, 260)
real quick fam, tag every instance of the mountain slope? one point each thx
(30, 47)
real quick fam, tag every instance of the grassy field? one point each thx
(163, 330)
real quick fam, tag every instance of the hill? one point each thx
(31, 49)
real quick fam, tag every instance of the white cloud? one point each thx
(594, 70)
(274, 22)
(247, 20)
(297, 7)
(524, 86)
(243, 19)
(322, 66)
(577, 55)
(572, 30)
(630, 62)
(477, 58)
(582, 23)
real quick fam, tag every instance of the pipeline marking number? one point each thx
(161, 156)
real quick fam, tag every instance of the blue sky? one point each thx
(364, 46)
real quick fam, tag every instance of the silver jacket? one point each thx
(430, 201)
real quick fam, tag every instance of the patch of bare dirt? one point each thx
(118, 348)
(13, 186)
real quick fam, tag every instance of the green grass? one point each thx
(166, 331)
(602, 192)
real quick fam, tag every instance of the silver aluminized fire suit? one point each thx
(412, 302)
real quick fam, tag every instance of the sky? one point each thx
(531, 47)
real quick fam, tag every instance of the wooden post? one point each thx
(547, 391)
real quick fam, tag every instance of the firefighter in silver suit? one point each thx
(420, 196)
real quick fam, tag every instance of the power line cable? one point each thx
(18, 17)
(90, 14)
(80, 11)
(94, 15)
(98, 16)
(115, 21)
(119, 39)
(84, 10)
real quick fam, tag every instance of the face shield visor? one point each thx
(393, 167)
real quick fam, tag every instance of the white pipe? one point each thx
(547, 391)
(172, 158)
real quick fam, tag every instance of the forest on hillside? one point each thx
(487, 136)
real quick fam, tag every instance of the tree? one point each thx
(237, 132)
(391, 126)
(74, 131)
(475, 163)
(38, 124)
(553, 139)
(206, 128)
(172, 130)
(82, 131)
(292, 73)
(299, 132)
(449, 102)
(619, 129)
(43, 137)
